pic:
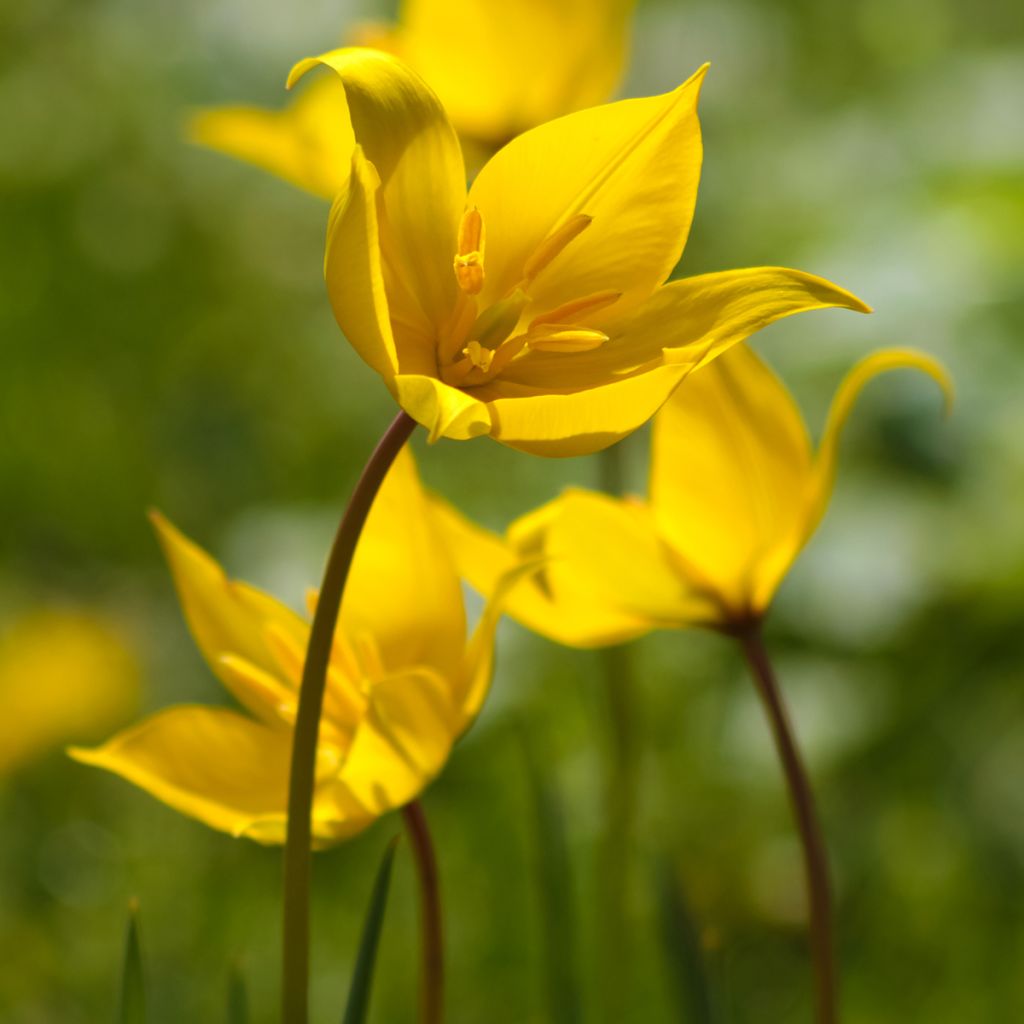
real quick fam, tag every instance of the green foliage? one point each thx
(131, 1003)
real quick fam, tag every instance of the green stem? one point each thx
(811, 836)
(432, 971)
(298, 847)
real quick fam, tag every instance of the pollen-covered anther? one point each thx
(564, 338)
(554, 244)
(478, 356)
(469, 259)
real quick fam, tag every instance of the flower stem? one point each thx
(432, 976)
(811, 837)
(298, 851)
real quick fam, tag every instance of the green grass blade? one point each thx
(238, 996)
(132, 999)
(362, 978)
(555, 886)
(683, 953)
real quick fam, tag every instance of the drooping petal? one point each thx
(309, 143)
(842, 405)
(403, 590)
(729, 469)
(445, 411)
(403, 740)
(631, 166)
(688, 321)
(612, 549)
(582, 422)
(406, 135)
(226, 617)
(503, 68)
(549, 602)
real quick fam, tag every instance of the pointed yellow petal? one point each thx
(404, 590)
(634, 573)
(402, 742)
(842, 405)
(445, 411)
(309, 143)
(405, 133)
(729, 468)
(689, 322)
(550, 602)
(215, 765)
(632, 167)
(225, 617)
(580, 423)
(502, 68)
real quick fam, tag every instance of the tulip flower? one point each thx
(534, 309)
(498, 68)
(403, 684)
(735, 492)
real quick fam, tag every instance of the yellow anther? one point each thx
(553, 245)
(469, 259)
(573, 311)
(564, 338)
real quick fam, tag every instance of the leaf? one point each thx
(238, 996)
(362, 978)
(132, 1000)
(683, 952)
(555, 886)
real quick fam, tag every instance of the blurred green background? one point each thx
(166, 341)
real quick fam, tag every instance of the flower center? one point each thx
(481, 344)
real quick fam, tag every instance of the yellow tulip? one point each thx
(498, 68)
(534, 309)
(736, 491)
(403, 684)
(64, 675)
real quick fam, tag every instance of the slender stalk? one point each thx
(811, 837)
(614, 943)
(432, 971)
(298, 849)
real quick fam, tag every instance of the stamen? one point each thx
(553, 245)
(469, 260)
(564, 338)
(479, 356)
(573, 311)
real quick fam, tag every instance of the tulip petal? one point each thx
(729, 469)
(445, 411)
(550, 602)
(634, 573)
(502, 68)
(212, 764)
(309, 143)
(689, 321)
(559, 425)
(226, 617)
(353, 271)
(632, 166)
(403, 590)
(842, 405)
(406, 135)
(403, 740)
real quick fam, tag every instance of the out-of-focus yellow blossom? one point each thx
(64, 675)
(534, 309)
(736, 491)
(403, 684)
(499, 69)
